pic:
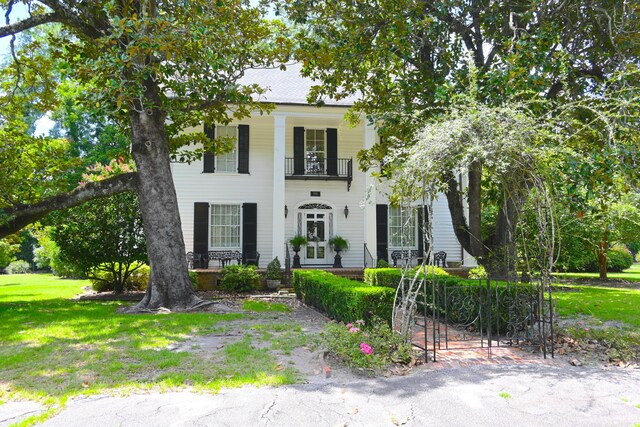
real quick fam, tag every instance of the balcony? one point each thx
(313, 169)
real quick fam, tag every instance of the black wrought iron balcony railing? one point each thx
(319, 169)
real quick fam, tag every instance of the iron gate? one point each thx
(484, 314)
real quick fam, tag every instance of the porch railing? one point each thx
(369, 260)
(319, 169)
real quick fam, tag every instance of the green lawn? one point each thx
(52, 348)
(631, 274)
(603, 304)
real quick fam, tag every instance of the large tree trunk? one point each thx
(169, 284)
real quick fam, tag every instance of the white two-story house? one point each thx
(295, 172)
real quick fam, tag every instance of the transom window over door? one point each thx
(315, 153)
(225, 226)
(228, 162)
(403, 232)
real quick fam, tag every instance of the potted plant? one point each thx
(297, 242)
(273, 275)
(337, 245)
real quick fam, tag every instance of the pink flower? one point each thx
(349, 325)
(107, 168)
(366, 348)
(354, 330)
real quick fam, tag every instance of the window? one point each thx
(315, 151)
(225, 226)
(228, 162)
(402, 227)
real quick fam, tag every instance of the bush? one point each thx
(478, 273)
(619, 258)
(391, 276)
(239, 278)
(194, 279)
(274, 270)
(105, 281)
(18, 267)
(382, 263)
(343, 299)
(370, 347)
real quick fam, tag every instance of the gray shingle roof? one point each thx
(287, 87)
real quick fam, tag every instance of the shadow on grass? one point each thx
(56, 348)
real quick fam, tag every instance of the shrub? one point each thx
(391, 276)
(105, 281)
(274, 270)
(619, 258)
(382, 264)
(370, 347)
(239, 278)
(194, 279)
(18, 267)
(343, 299)
(478, 273)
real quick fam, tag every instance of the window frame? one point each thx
(236, 150)
(391, 236)
(221, 244)
(324, 149)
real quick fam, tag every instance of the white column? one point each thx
(370, 192)
(278, 187)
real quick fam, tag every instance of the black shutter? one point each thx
(208, 158)
(249, 229)
(382, 233)
(298, 151)
(332, 151)
(243, 149)
(201, 229)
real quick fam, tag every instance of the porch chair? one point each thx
(252, 258)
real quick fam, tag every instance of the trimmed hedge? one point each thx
(343, 299)
(391, 276)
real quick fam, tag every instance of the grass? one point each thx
(632, 274)
(52, 348)
(603, 304)
(261, 306)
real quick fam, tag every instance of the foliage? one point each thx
(584, 260)
(634, 248)
(298, 241)
(104, 235)
(390, 277)
(104, 279)
(274, 270)
(239, 278)
(382, 346)
(338, 244)
(382, 263)
(7, 252)
(18, 267)
(619, 258)
(477, 273)
(343, 299)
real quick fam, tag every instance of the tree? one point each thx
(409, 59)
(157, 67)
(103, 235)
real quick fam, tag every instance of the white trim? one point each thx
(307, 115)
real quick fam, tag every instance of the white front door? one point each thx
(315, 224)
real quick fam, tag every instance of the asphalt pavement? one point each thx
(484, 395)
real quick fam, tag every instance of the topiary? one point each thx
(382, 264)
(239, 278)
(18, 267)
(274, 270)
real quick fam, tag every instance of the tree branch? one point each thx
(26, 24)
(23, 215)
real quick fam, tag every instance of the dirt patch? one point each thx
(609, 283)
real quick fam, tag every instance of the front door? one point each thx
(316, 227)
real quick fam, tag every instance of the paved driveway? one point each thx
(493, 395)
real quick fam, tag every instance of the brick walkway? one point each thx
(463, 349)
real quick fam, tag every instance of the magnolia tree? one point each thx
(155, 68)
